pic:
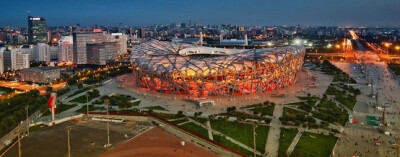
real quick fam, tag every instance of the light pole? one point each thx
(27, 118)
(107, 103)
(68, 128)
(19, 142)
(87, 105)
(254, 138)
(397, 49)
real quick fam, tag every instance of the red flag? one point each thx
(50, 102)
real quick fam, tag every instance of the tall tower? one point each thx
(201, 39)
(37, 30)
(245, 40)
(221, 37)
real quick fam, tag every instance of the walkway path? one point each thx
(272, 146)
(210, 136)
(294, 143)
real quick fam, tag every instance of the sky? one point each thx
(236, 12)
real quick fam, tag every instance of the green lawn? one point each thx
(200, 120)
(91, 108)
(265, 110)
(180, 121)
(286, 138)
(224, 141)
(314, 145)
(242, 132)
(196, 128)
(156, 108)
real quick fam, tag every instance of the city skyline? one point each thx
(255, 13)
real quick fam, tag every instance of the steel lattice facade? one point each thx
(160, 66)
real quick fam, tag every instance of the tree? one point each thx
(49, 89)
(95, 93)
(80, 85)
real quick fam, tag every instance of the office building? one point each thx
(15, 60)
(95, 54)
(29, 49)
(54, 52)
(121, 42)
(40, 74)
(2, 49)
(42, 53)
(80, 40)
(37, 30)
(110, 51)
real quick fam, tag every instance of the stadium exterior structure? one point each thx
(190, 69)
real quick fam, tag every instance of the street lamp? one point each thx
(27, 118)
(68, 128)
(107, 103)
(397, 48)
(87, 105)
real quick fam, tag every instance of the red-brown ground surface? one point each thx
(157, 142)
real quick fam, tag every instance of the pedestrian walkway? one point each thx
(272, 144)
(294, 143)
(210, 136)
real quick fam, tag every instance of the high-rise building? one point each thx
(79, 44)
(110, 51)
(42, 52)
(54, 52)
(37, 30)
(142, 33)
(2, 49)
(29, 49)
(121, 45)
(95, 54)
(66, 52)
(15, 60)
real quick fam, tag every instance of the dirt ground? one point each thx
(87, 139)
(156, 142)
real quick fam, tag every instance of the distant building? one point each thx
(15, 60)
(95, 54)
(79, 44)
(121, 45)
(142, 33)
(65, 53)
(42, 52)
(29, 49)
(110, 51)
(37, 30)
(54, 52)
(2, 49)
(40, 74)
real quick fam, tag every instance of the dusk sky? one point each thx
(237, 12)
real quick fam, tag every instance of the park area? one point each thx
(314, 145)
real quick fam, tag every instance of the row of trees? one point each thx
(13, 109)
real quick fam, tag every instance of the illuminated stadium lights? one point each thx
(186, 69)
(297, 42)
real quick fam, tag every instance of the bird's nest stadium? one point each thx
(189, 69)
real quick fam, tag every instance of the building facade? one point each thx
(42, 52)
(96, 54)
(37, 30)
(15, 60)
(121, 46)
(40, 74)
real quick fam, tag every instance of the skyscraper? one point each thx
(37, 30)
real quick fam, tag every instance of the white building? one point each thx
(54, 52)
(15, 60)
(42, 52)
(29, 50)
(121, 46)
(2, 49)
(65, 53)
